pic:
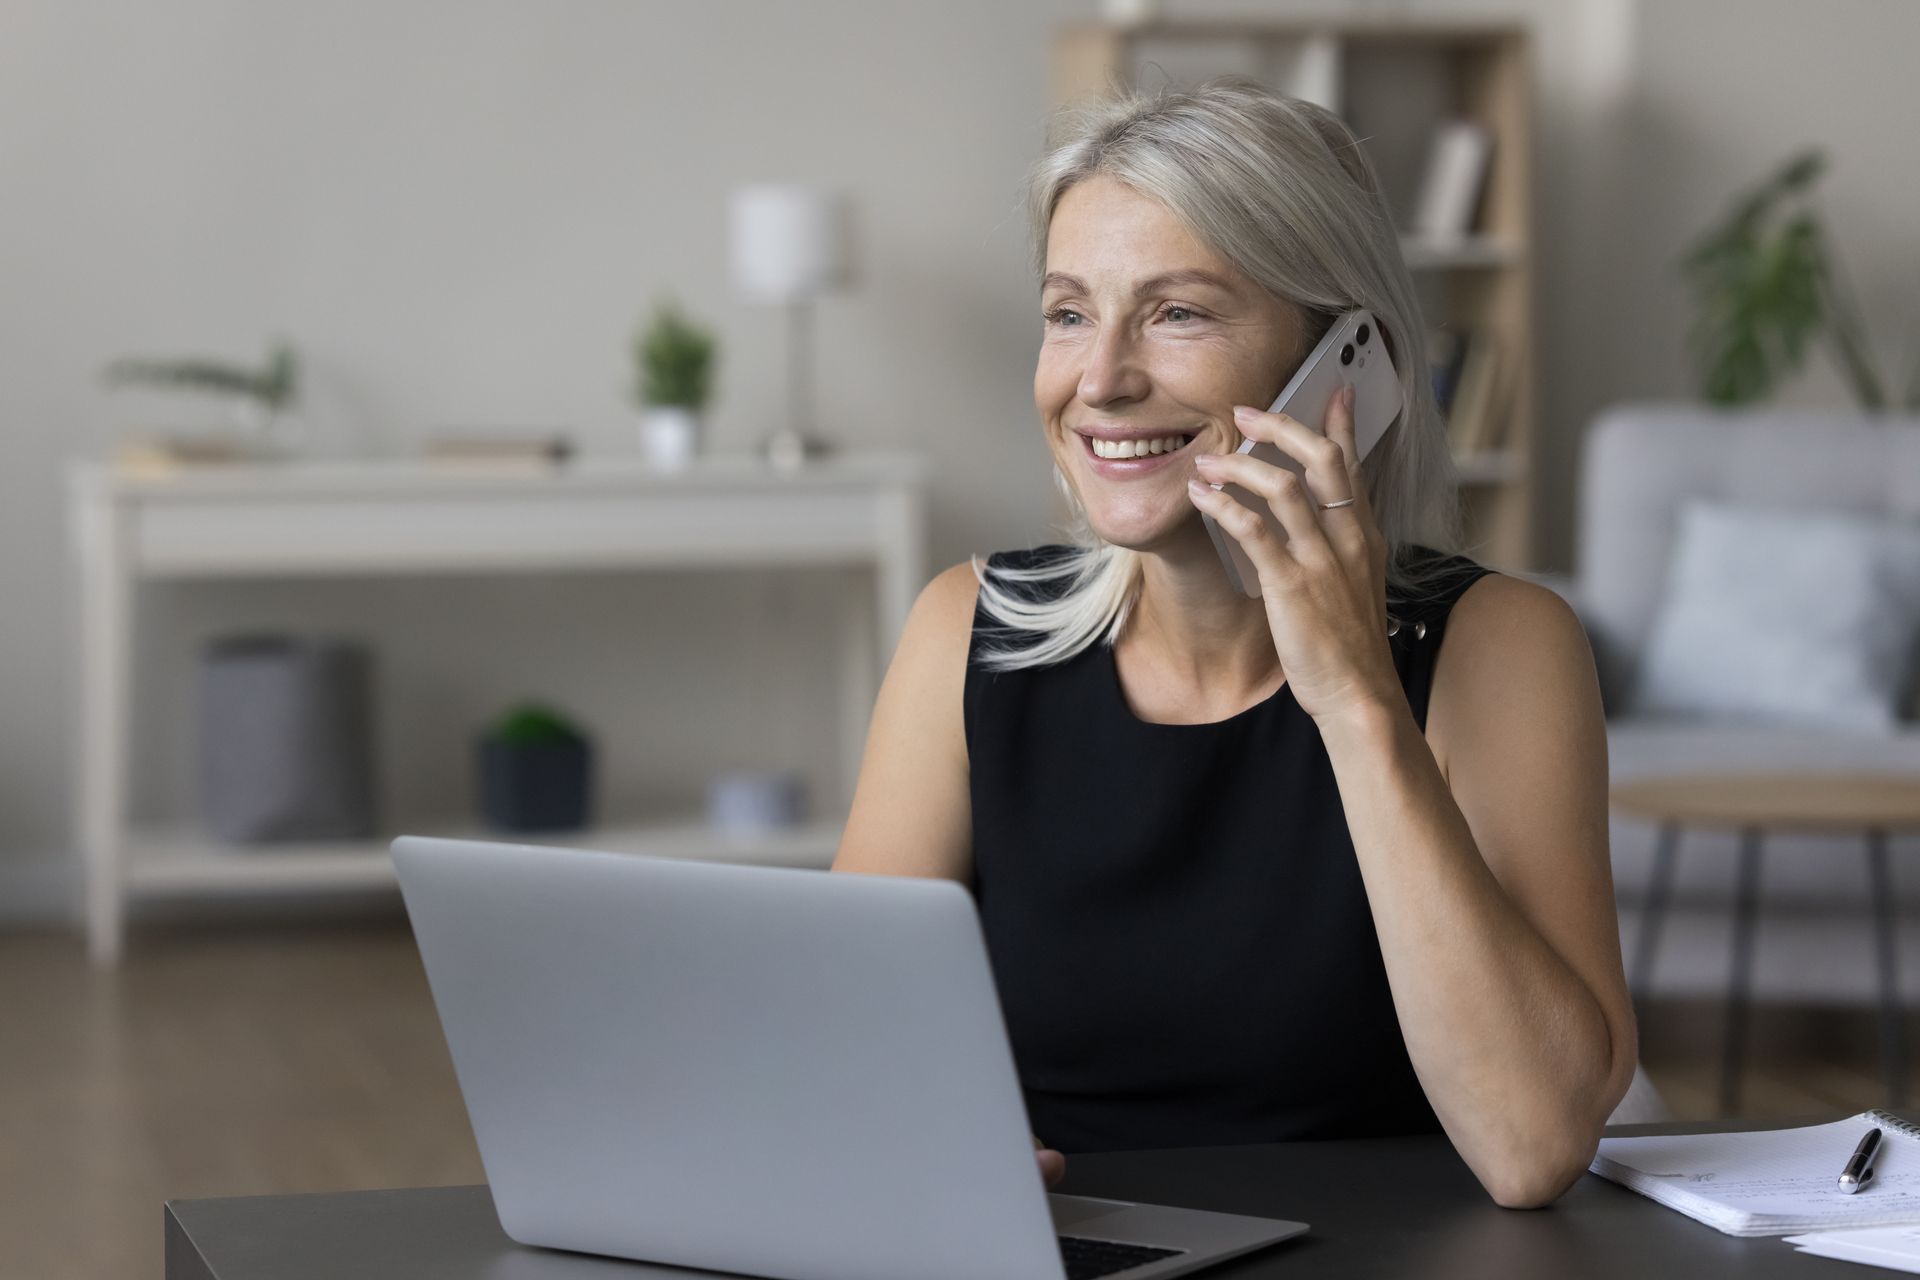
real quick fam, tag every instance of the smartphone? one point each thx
(1353, 353)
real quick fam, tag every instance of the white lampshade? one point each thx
(789, 242)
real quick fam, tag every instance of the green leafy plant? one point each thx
(1767, 284)
(531, 723)
(674, 360)
(273, 386)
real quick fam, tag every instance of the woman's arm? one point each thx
(1486, 861)
(912, 814)
(1485, 855)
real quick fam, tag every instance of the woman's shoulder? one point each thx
(1438, 578)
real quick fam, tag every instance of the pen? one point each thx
(1859, 1170)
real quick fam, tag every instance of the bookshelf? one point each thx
(1392, 79)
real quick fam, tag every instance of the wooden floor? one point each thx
(216, 1061)
(294, 1055)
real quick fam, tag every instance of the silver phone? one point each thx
(1353, 353)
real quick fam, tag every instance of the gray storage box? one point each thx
(285, 737)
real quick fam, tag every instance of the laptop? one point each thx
(761, 1070)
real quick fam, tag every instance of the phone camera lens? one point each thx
(1346, 354)
(1362, 336)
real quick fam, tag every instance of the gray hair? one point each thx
(1279, 188)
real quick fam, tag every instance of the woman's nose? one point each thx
(1112, 371)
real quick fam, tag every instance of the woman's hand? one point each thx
(1325, 584)
(1053, 1165)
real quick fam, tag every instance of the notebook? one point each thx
(1773, 1182)
(1895, 1248)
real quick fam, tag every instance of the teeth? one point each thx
(1134, 448)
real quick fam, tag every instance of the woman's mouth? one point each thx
(1124, 459)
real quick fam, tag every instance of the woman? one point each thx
(1253, 870)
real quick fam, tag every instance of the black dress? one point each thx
(1174, 914)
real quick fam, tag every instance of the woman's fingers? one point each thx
(1284, 493)
(1053, 1166)
(1244, 525)
(1324, 461)
(1332, 470)
(1341, 430)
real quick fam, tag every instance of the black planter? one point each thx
(535, 786)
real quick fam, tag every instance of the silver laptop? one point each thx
(762, 1070)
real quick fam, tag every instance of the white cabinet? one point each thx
(388, 518)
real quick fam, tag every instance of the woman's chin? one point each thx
(1145, 529)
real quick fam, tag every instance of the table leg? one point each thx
(105, 720)
(1745, 903)
(859, 687)
(1653, 913)
(1893, 1046)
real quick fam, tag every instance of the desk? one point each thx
(397, 517)
(1391, 1207)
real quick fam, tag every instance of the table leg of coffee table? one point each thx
(1653, 911)
(1893, 1046)
(1746, 900)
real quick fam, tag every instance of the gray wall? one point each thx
(460, 210)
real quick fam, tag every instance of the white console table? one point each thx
(407, 517)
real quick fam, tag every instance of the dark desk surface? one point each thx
(1395, 1207)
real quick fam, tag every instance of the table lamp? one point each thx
(790, 243)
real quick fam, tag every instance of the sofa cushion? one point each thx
(1782, 615)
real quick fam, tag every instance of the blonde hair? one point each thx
(1279, 188)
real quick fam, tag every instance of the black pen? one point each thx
(1859, 1170)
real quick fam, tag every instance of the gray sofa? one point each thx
(1638, 462)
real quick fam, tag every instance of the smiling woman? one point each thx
(1256, 869)
(1265, 217)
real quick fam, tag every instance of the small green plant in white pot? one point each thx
(673, 359)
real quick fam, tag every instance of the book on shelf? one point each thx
(160, 456)
(1469, 388)
(1446, 351)
(1475, 419)
(497, 448)
(1449, 198)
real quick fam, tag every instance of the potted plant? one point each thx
(261, 396)
(673, 361)
(1767, 284)
(535, 771)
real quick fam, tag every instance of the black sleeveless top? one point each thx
(1174, 914)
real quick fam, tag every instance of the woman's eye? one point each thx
(1058, 315)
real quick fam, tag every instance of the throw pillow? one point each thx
(1785, 615)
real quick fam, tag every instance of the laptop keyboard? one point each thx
(1087, 1259)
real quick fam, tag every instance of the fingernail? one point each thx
(1201, 458)
(1346, 395)
(1242, 411)
(1194, 486)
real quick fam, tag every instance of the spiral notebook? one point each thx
(1773, 1182)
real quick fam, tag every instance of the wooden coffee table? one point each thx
(1833, 803)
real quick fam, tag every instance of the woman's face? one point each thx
(1149, 337)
